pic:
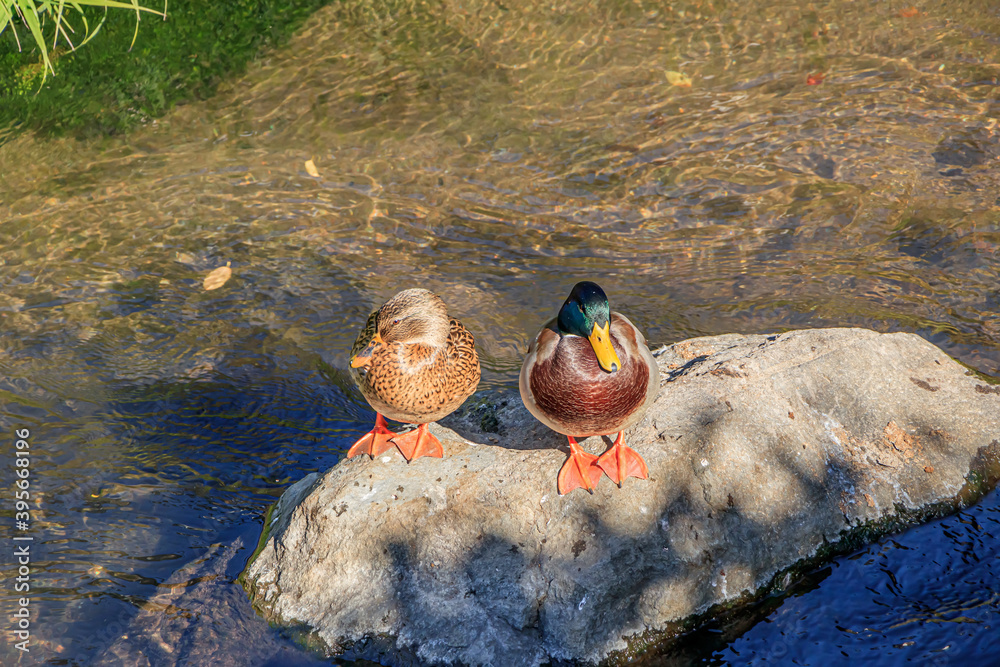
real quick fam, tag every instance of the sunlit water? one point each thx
(495, 153)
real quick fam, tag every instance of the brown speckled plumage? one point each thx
(563, 386)
(427, 365)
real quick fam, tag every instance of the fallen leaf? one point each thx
(311, 169)
(218, 277)
(678, 79)
(814, 79)
(909, 12)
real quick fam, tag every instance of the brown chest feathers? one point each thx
(572, 389)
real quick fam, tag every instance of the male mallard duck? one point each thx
(589, 372)
(413, 364)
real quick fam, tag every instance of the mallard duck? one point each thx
(414, 364)
(589, 372)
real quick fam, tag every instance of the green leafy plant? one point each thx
(36, 15)
(111, 86)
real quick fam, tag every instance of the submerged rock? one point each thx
(762, 450)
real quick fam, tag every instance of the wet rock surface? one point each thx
(762, 451)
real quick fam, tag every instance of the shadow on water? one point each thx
(172, 478)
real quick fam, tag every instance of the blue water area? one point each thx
(927, 596)
(159, 490)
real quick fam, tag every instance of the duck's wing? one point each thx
(463, 361)
(366, 334)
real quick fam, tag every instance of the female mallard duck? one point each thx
(414, 364)
(589, 372)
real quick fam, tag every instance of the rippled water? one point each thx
(495, 153)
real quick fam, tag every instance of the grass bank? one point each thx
(106, 88)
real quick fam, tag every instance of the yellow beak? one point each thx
(600, 340)
(364, 357)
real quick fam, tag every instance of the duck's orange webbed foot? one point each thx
(375, 441)
(418, 442)
(620, 462)
(580, 470)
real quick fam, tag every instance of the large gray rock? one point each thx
(761, 450)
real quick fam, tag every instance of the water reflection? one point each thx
(496, 155)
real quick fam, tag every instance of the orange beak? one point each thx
(364, 357)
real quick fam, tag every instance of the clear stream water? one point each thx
(495, 152)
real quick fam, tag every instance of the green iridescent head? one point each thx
(587, 313)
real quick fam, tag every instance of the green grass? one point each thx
(41, 17)
(128, 73)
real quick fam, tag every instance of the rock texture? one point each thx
(761, 450)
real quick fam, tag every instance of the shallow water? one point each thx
(495, 153)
